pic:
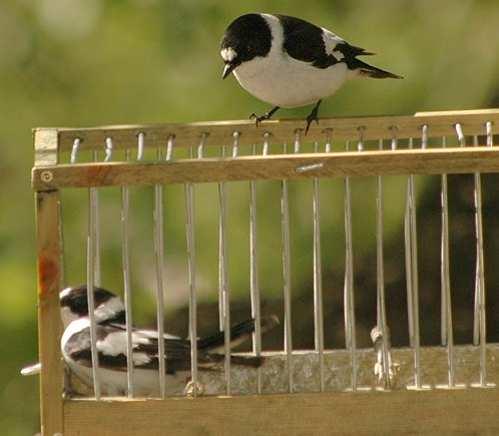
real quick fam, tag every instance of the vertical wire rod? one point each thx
(140, 145)
(169, 147)
(286, 275)
(235, 144)
(349, 311)
(381, 305)
(221, 266)
(191, 263)
(447, 329)
(480, 276)
(460, 134)
(329, 134)
(125, 262)
(317, 267)
(223, 277)
(158, 240)
(488, 133)
(96, 230)
(414, 276)
(408, 267)
(90, 292)
(74, 150)
(108, 149)
(254, 282)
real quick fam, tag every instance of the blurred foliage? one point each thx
(91, 62)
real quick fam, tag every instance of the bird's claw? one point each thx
(310, 119)
(193, 389)
(258, 119)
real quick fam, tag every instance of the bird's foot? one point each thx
(259, 118)
(193, 389)
(313, 116)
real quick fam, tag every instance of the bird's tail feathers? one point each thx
(238, 334)
(367, 70)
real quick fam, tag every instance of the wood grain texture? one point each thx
(280, 131)
(456, 412)
(46, 147)
(274, 167)
(49, 251)
(49, 259)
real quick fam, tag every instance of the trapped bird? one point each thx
(289, 62)
(112, 340)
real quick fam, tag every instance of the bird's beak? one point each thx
(227, 70)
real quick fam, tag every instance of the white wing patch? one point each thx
(141, 358)
(331, 41)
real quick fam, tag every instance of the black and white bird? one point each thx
(289, 62)
(112, 344)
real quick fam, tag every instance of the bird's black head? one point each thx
(74, 303)
(247, 37)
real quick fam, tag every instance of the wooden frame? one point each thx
(451, 411)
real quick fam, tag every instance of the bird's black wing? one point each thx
(304, 41)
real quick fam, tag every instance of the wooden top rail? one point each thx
(273, 167)
(279, 131)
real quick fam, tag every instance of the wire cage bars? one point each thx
(342, 148)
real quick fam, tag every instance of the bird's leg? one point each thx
(263, 117)
(313, 116)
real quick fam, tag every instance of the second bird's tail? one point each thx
(238, 334)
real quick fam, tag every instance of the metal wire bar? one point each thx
(235, 144)
(169, 147)
(447, 329)
(140, 145)
(349, 309)
(413, 290)
(96, 230)
(74, 150)
(381, 306)
(191, 263)
(265, 148)
(223, 277)
(158, 241)
(480, 276)
(488, 133)
(254, 282)
(317, 266)
(329, 135)
(90, 291)
(221, 274)
(286, 277)
(125, 262)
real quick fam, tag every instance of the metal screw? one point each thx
(46, 176)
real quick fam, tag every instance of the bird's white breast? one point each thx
(284, 81)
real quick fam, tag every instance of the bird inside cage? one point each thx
(111, 346)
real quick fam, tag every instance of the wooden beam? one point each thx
(49, 320)
(472, 411)
(274, 167)
(281, 130)
(49, 257)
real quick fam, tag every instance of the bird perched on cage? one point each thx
(112, 341)
(289, 62)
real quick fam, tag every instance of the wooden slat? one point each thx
(49, 257)
(49, 320)
(275, 167)
(281, 131)
(472, 411)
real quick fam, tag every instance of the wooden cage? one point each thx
(471, 409)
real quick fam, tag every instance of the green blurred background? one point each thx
(91, 62)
